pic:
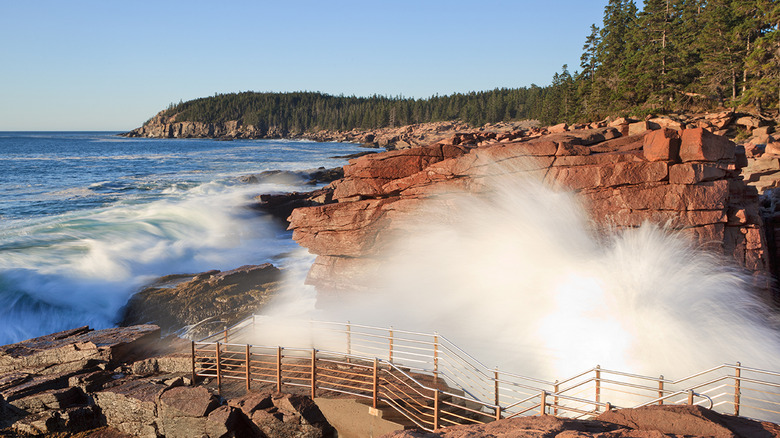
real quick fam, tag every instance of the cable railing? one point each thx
(433, 383)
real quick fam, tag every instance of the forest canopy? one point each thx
(669, 56)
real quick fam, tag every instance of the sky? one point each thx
(110, 65)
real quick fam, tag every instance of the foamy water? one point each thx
(86, 220)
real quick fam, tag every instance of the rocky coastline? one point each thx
(712, 175)
(129, 382)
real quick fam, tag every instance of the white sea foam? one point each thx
(81, 268)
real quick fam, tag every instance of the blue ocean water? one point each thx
(87, 218)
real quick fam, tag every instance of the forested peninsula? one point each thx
(670, 56)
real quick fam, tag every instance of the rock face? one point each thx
(214, 299)
(133, 384)
(647, 422)
(167, 127)
(690, 179)
(45, 382)
(70, 350)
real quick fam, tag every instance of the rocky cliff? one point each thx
(627, 173)
(161, 126)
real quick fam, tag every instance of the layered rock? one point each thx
(689, 179)
(133, 384)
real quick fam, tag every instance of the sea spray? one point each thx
(521, 278)
(80, 268)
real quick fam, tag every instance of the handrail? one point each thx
(405, 354)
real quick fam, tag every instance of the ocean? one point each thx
(89, 218)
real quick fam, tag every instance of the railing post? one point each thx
(248, 369)
(608, 406)
(436, 409)
(349, 342)
(436, 357)
(543, 404)
(193, 364)
(278, 369)
(226, 334)
(390, 356)
(219, 371)
(313, 373)
(737, 387)
(555, 399)
(690, 397)
(498, 412)
(598, 386)
(376, 382)
(495, 388)
(661, 389)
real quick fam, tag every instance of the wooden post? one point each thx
(226, 334)
(313, 373)
(598, 386)
(278, 369)
(608, 406)
(661, 389)
(219, 371)
(737, 387)
(690, 397)
(496, 391)
(436, 409)
(390, 356)
(498, 412)
(193, 364)
(376, 382)
(543, 404)
(248, 369)
(555, 399)
(436, 358)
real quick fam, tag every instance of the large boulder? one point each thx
(222, 298)
(76, 349)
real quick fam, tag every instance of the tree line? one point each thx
(670, 56)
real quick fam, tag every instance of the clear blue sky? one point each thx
(111, 65)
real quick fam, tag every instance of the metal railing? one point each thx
(434, 383)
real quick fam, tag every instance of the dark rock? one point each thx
(51, 400)
(71, 420)
(223, 297)
(355, 155)
(324, 176)
(280, 206)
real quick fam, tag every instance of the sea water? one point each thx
(88, 218)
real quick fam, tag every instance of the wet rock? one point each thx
(224, 297)
(280, 206)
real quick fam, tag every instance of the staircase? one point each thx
(428, 382)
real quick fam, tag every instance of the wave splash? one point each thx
(80, 268)
(523, 279)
